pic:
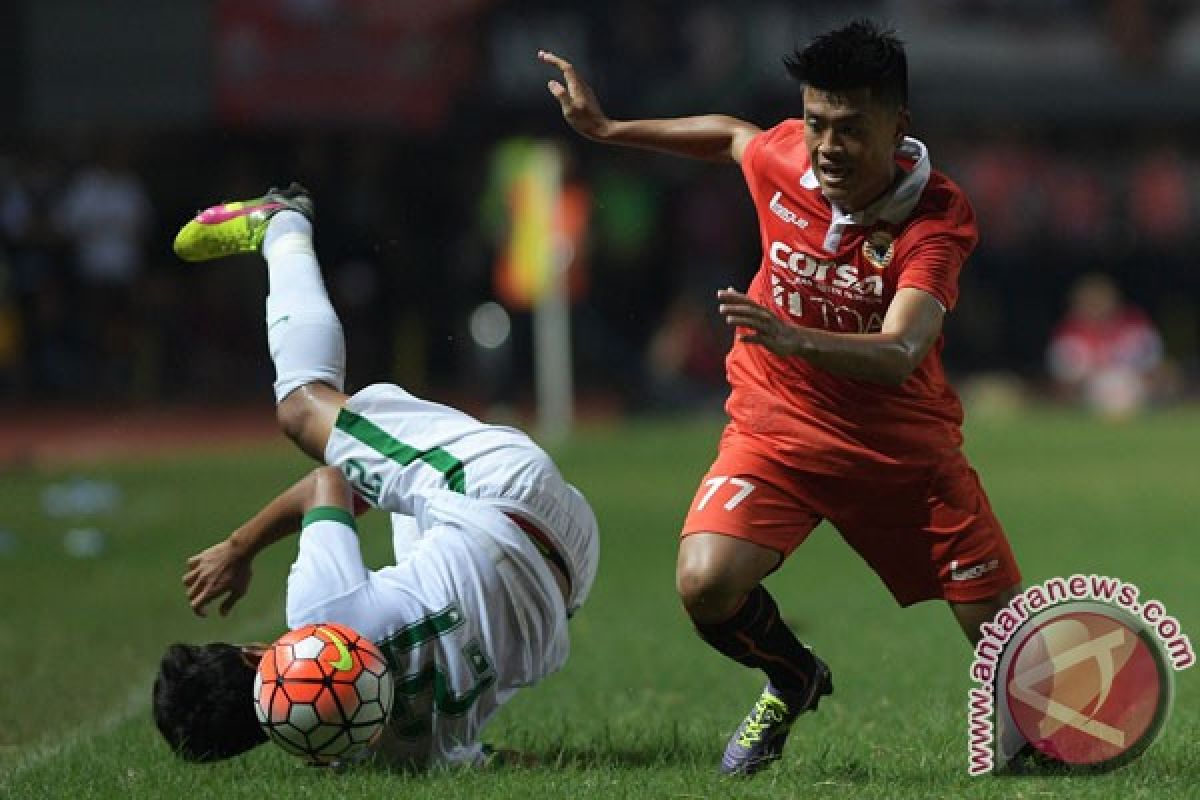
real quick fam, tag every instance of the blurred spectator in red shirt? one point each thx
(1003, 178)
(1079, 204)
(1104, 353)
(1160, 201)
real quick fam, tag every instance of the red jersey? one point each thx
(822, 268)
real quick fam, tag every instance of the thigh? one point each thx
(746, 495)
(974, 559)
(391, 445)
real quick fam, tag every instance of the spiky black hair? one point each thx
(860, 55)
(203, 702)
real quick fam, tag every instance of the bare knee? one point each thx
(707, 593)
(715, 572)
(307, 416)
(293, 415)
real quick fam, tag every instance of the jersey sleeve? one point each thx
(328, 572)
(752, 156)
(937, 245)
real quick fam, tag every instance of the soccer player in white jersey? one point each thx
(502, 552)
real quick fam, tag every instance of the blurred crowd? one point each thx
(94, 307)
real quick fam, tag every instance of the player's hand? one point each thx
(217, 571)
(768, 330)
(580, 108)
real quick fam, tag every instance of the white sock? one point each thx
(304, 334)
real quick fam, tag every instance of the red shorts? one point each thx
(930, 536)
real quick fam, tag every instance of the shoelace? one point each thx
(763, 716)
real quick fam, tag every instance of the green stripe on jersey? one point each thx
(444, 697)
(330, 513)
(381, 441)
(423, 630)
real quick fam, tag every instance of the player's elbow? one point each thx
(900, 361)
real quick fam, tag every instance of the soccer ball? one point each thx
(323, 692)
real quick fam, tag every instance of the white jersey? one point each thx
(470, 612)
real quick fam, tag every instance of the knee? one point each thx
(292, 414)
(714, 572)
(708, 592)
(308, 414)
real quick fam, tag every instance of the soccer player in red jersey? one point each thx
(839, 407)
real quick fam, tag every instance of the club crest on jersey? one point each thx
(879, 248)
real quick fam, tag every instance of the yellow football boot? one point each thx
(238, 227)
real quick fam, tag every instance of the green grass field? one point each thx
(643, 708)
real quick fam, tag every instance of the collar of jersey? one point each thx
(894, 207)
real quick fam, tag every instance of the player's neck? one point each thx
(887, 186)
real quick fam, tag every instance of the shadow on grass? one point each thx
(625, 750)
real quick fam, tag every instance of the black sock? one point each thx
(757, 637)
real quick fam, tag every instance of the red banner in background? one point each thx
(394, 62)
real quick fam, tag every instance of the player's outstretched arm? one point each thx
(712, 137)
(223, 570)
(910, 327)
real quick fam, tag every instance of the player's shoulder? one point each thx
(777, 148)
(943, 207)
(942, 215)
(787, 132)
(943, 197)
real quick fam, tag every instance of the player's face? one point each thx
(851, 142)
